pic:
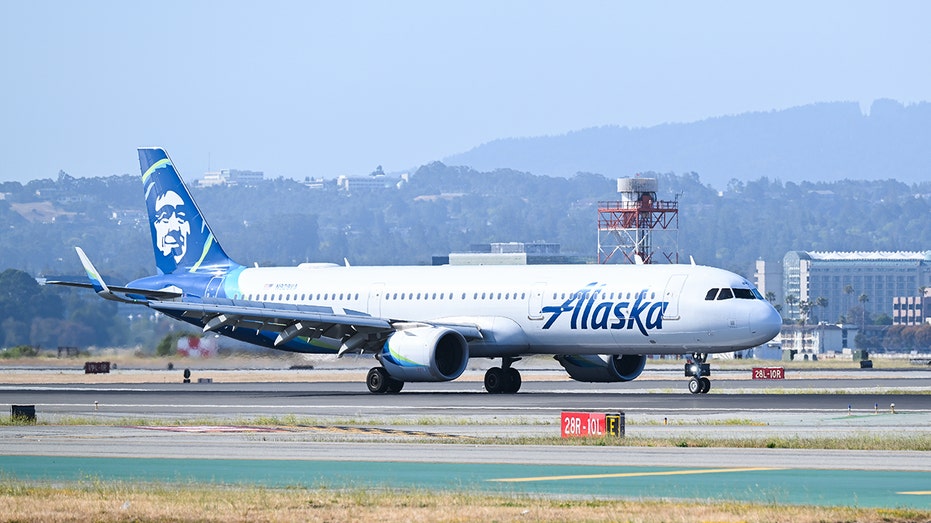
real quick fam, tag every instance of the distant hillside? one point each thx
(820, 142)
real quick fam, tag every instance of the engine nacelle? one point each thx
(603, 367)
(425, 354)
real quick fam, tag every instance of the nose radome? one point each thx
(765, 321)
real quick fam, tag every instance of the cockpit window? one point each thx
(740, 294)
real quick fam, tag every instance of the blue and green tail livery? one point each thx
(181, 238)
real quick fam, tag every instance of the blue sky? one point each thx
(327, 88)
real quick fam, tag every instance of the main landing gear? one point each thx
(698, 370)
(379, 382)
(504, 379)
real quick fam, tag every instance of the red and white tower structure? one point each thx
(638, 225)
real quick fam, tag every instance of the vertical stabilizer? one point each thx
(182, 240)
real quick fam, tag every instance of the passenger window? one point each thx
(711, 294)
(434, 296)
(725, 294)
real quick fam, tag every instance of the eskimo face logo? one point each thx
(171, 225)
(590, 310)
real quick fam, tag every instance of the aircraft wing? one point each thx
(336, 328)
(341, 329)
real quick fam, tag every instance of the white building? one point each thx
(849, 279)
(817, 340)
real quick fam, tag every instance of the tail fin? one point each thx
(182, 240)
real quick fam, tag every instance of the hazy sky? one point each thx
(322, 89)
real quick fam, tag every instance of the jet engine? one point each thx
(603, 367)
(425, 354)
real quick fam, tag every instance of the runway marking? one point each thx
(204, 429)
(448, 407)
(916, 493)
(633, 474)
(233, 429)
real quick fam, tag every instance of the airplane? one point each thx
(424, 323)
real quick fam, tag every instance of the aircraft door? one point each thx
(375, 297)
(213, 287)
(671, 295)
(535, 302)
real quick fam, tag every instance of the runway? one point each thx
(425, 432)
(466, 399)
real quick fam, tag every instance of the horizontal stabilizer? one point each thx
(107, 292)
(133, 291)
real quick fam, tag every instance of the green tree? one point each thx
(821, 302)
(29, 311)
(863, 299)
(804, 309)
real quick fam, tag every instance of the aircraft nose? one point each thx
(765, 321)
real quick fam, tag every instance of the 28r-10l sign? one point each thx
(581, 424)
(769, 373)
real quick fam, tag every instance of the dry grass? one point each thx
(118, 502)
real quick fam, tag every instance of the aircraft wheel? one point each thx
(705, 385)
(512, 376)
(394, 386)
(695, 386)
(378, 380)
(495, 380)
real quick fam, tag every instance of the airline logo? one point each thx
(589, 310)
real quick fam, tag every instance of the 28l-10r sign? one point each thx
(769, 373)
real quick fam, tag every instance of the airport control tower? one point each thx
(638, 225)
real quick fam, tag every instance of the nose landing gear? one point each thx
(698, 370)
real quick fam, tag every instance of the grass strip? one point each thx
(104, 502)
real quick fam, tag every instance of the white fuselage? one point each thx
(550, 309)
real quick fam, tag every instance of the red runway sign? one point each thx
(576, 424)
(769, 373)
